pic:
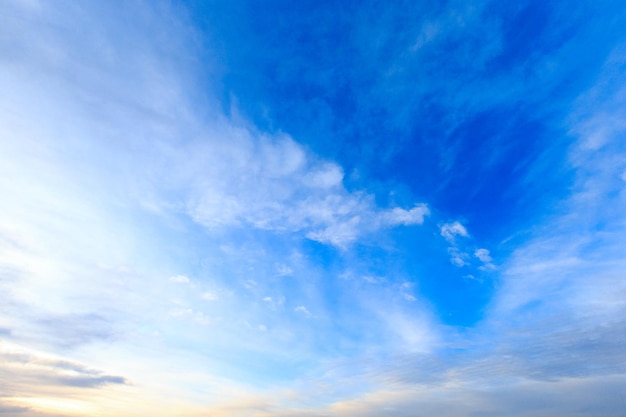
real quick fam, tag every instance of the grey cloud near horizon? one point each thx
(583, 397)
(26, 373)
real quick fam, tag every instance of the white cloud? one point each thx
(372, 279)
(457, 249)
(209, 296)
(571, 262)
(413, 332)
(457, 257)
(400, 216)
(283, 270)
(243, 188)
(451, 230)
(274, 303)
(180, 279)
(303, 310)
(483, 255)
(458, 261)
(327, 175)
(197, 317)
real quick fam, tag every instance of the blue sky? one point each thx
(305, 209)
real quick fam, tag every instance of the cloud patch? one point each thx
(450, 231)
(303, 311)
(180, 279)
(24, 371)
(245, 188)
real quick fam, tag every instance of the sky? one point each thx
(314, 208)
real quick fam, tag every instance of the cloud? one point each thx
(72, 330)
(483, 255)
(224, 174)
(457, 258)
(283, 270)
(460, 250)
(399, 216)
(12, 410)
(209, 296)
(245, 189)
(180, 279)
(276, 303)
(91, 382)
(451, 230)
(303, 310)
(26, 372)
(580, 251)
(458, 261)
(537, 399)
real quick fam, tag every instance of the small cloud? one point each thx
(326, 176)
(457, 257)
(189, 314)
(347, 275)
(372, 280)
(303, 310)
(457, 261)
(340, 233)
(400, 216)
(180, 279)
(61, 372)
(209, 296)
(201, 318)
(250, 283)
(90, 381)
(283, 270)
(488, 267)
(274, 304)
(470, 277)
(262, 327)
(409, 297)
(450, 230)
(483, 255)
